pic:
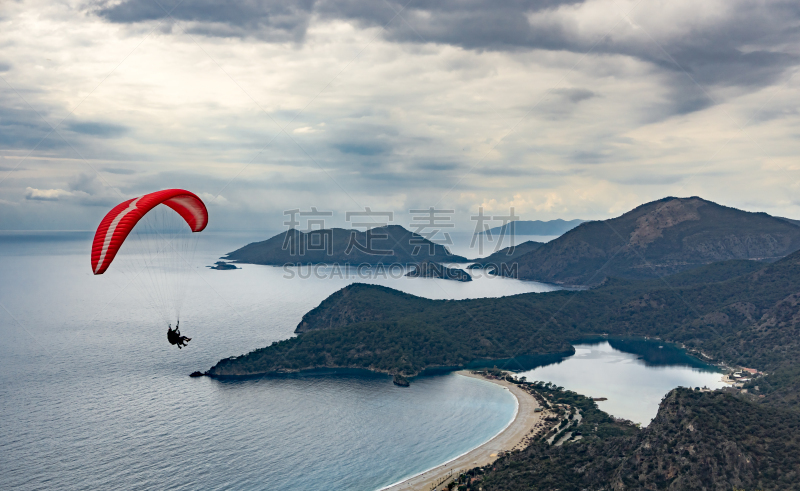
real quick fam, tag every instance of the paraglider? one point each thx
(157, 244)
(174, 336)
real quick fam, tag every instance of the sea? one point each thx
(93, 397)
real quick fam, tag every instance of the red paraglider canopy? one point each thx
(119, 222)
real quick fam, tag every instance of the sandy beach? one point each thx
(511, 437)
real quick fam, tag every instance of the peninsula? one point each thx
(381, 329)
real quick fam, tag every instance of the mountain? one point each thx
(382, 245)
(506, 255)
(658, 238)
(790, 220)
(534, 227)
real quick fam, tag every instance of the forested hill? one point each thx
(698, 440)
(392, 244)
(656, 239)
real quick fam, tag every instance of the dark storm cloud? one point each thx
(271, 20)
(477, 24)
(742, 47)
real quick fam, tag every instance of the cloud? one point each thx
(365, 148)
(210, 199)
(22, 127)
(99, 129)
(45, 194)
(270, 20)
(575, 95)
(4, 67)
(490, 99)
(436, 166)
(4, 168)
(83, 189)
(561, 103)
(119, 170)
(718, 44)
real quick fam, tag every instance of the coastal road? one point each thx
(487, 453)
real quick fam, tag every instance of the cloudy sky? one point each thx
(561, 109)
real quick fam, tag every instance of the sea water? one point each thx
(93, 397)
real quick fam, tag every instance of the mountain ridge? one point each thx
(659, 238)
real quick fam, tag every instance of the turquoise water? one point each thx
(634, 382)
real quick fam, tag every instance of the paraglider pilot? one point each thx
(174, 336)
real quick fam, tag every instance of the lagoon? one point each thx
(634, 382)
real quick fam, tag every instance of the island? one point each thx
(400, 380)
(429, 269)
(387, 245)
(223, 266)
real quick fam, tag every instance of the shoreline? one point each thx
(505, 440)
